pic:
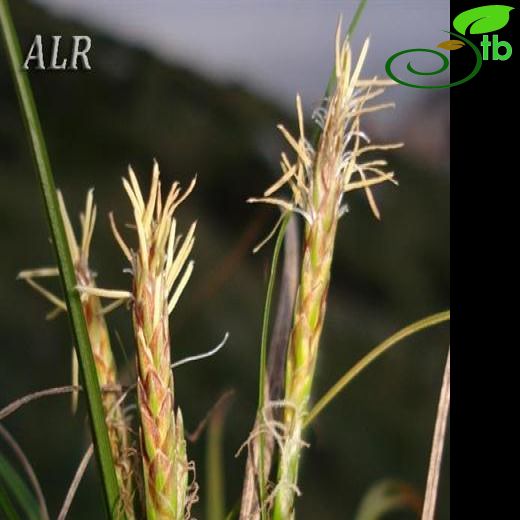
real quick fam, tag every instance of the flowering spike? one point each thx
(155, 267)
(99, 340)
(319, 179)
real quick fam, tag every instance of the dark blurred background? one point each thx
(215, 117)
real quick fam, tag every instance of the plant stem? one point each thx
(67, 274)
(439, 437)
(263, 358)
(215, 474)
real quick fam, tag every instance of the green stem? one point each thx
(270, 289)
(315, 137)
(215, 492)
(68, 277)
(263, 356)
(364, 362)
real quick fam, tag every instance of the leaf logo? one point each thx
(451, 45)
(485, 19)
(479, 20)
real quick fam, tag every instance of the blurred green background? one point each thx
(135, 107)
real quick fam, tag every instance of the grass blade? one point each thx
(364, 362)
(28, 470)
(6, 506)
(267, 309)
(263, 352)
(215, 474)
(439, 438)
(233, 514)
(18, 490)
(274, 372)
(68, 278)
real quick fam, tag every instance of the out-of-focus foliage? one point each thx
(15, 495)
(388, 496)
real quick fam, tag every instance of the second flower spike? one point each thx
(161, 270)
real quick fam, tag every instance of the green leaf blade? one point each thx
(67, 273)
(215, 467)
(368, 359)
(14, 484)
(6, 506)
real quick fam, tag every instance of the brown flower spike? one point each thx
(160, 273)
(99, 340)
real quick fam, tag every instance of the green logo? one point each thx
(480, 20)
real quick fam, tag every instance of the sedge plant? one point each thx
(117, 424)
(66, 267)
(319, 178)
(160, 270)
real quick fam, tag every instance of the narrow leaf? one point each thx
(68, 278)
(28, 471)
(374, 354)
(215, 489)
(273, 386)
(263, 351)
(18, 489)
(6, 506)
(439, 438)
(233, 514)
